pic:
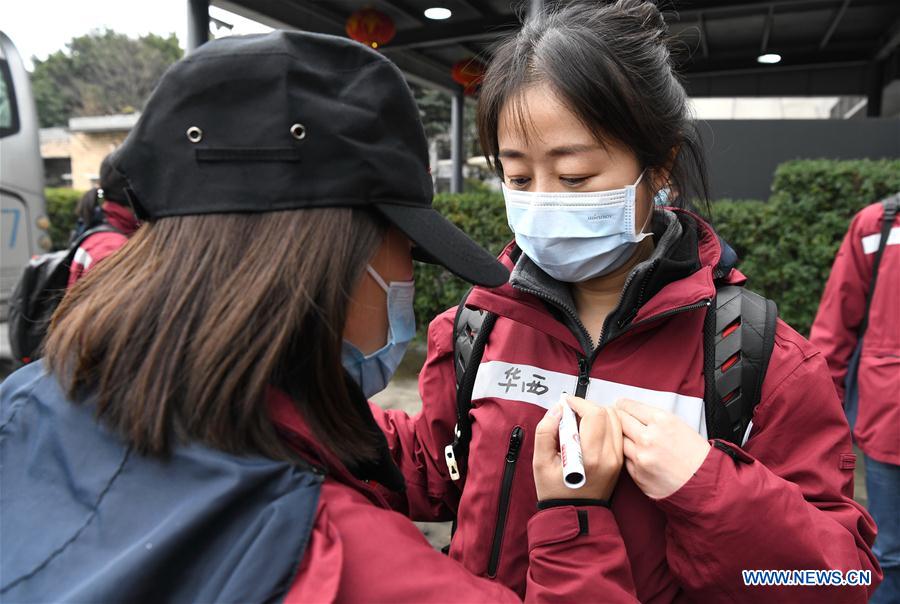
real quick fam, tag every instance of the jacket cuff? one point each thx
(564, 523)
(701, 488)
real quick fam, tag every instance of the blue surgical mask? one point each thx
(373, 372)
(574, 237)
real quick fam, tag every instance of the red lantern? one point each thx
(371, 27)
(469, 73)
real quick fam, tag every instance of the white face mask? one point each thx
(574, 237)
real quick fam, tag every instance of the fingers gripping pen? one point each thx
(570, 446)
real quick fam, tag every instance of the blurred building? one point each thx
(72, 155)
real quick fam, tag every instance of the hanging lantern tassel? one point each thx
(469, 73)
(371, 27)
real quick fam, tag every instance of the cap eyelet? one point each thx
(194, 134)
(298, 131)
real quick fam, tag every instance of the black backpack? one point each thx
(37, 294)
(739, 334)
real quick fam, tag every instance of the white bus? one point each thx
(23, 213)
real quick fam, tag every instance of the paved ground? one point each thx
(403, 393)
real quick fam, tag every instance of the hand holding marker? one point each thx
(593, 442)
(570, 446)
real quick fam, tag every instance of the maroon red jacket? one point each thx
(100, 245)
(877, 429)
(782, 501)
(361, 551)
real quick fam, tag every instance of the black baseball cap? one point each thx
(290, 120)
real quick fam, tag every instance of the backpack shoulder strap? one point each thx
(891, 205)
(739, 338)
(103, 227)
(79, 241)
(471, 329)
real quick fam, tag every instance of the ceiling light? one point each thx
(437, 13)
(769, 59)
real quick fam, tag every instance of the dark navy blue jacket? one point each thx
(87, 519)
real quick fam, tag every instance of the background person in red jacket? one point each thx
(113, 210)
(866, 367)
(608, 297)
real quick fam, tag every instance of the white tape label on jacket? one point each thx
(870, 242)
(541, 387)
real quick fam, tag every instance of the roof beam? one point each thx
(450, 33)
(481, 8)
(845, 78)
(300, 15)
(834, 23)
(402, 7)
(704, 45)
(476, 52)
(292, 14)
(890, 41)
(425, 71)
(752, 7)
(767, 29)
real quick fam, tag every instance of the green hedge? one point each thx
(482, 216)
(787, 245)
(61, 212)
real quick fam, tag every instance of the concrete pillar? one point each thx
(875, 89)
(198, 23)
(457, 144)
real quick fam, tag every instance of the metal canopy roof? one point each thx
(828, 47)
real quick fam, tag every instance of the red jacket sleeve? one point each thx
(417, 442)
(92, 250)
(361, 553)
(784, 503)
(843, 304)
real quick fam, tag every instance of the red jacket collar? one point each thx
(120, 218)
(292, 426)
(524, 308)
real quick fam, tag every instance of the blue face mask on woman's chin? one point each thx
(373, 372)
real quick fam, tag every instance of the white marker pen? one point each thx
(570, 446)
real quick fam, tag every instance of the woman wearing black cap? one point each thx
(198, 430)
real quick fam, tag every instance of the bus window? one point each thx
(9, 116)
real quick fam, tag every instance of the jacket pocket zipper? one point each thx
(509, 470)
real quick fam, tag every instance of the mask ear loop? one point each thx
(638, 234)
(387, 291)
(377, 278)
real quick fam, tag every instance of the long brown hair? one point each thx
(180, 333)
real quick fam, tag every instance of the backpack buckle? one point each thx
(450, 458)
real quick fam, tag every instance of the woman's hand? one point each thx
(661, 451)
(601, 447)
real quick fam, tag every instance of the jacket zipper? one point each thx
(637, 305)
(509, 470)
(675, 311)
(585, 363)
(559, 304)
(584, 377)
